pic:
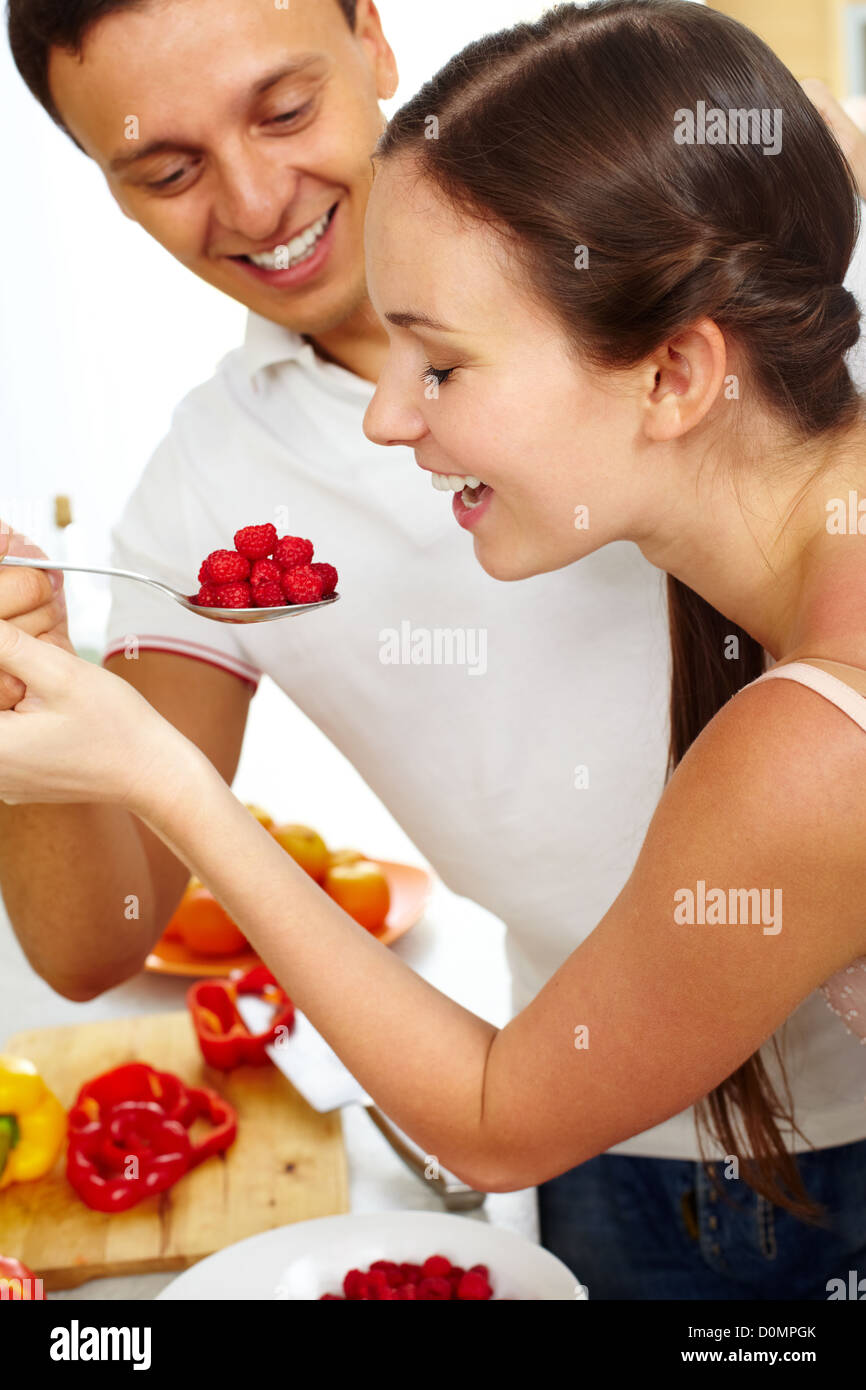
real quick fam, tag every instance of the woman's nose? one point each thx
(391, 418)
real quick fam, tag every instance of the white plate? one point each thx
(309, 1258)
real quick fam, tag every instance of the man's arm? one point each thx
(68, 874)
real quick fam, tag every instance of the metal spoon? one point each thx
(217, 615)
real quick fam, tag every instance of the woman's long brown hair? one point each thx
(560, 134)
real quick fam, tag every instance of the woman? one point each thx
(601, 331)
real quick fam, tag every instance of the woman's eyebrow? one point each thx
(410, 318)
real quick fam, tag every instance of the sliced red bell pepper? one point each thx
(19, 1282)
(210, 1106)
(224, 1038)
(135, 1081)
(136, 1151)
(129, 1135)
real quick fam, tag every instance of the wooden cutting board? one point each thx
(287, 1164)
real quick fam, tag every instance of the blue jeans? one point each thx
(655, 1228)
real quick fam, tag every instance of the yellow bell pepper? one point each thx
(32, 1123)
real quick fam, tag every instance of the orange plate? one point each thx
(410, 893)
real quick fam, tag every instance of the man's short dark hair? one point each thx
(37, 26)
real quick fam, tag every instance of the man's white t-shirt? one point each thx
(517, 732)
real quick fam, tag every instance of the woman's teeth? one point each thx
(453, 482)
(471, 488)
(300, 248)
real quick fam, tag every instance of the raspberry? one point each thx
(265, 572)
(412, 1274)
(268, 596)
(407, 1291)
(302, 585)
(482, 1270)
(355, 1285)
(208, 596)
(376, 1283)
(436, 1267)
(203, 576)
(234, 596)
(256, 542)
(226, 567)
(291, 551)
(390, 1270)
(436, 1290)
(328, 576)
(474, 1288)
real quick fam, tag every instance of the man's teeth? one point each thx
(300, 248)
(453, 482)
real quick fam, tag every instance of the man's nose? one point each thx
(253, 196)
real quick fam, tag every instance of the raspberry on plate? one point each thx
(256, 542)
(302, 585)
(354, 1284)
(328, 575)
(226, 567)
(234, 596)
(436, 1266)
(473, 1288)
(268, 595)
(292, 551)
(435, 1290)
(391, 1271)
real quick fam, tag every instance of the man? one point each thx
(527, 776)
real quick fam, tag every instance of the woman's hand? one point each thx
(80, 734)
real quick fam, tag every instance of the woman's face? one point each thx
(481, 383)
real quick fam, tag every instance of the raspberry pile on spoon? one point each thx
(264, 571)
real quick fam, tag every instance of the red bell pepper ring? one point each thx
(129, 1135)
(135, 1152)
(222, 1116)
(135, 1081)
(225, 1040)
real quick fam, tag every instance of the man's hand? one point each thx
(849, 135)
(31, 599)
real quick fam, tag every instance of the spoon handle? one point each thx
(27, 563)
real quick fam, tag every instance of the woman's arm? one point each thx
(648, 1014)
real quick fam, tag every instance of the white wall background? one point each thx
(101, 333)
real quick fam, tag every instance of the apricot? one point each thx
(306, 847)
(204, 926)
(361, 889)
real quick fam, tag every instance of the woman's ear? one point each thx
(687, 374)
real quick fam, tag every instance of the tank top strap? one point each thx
(850, 701)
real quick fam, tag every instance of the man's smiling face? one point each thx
(252, 129)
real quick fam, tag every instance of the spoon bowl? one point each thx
(216, 615)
